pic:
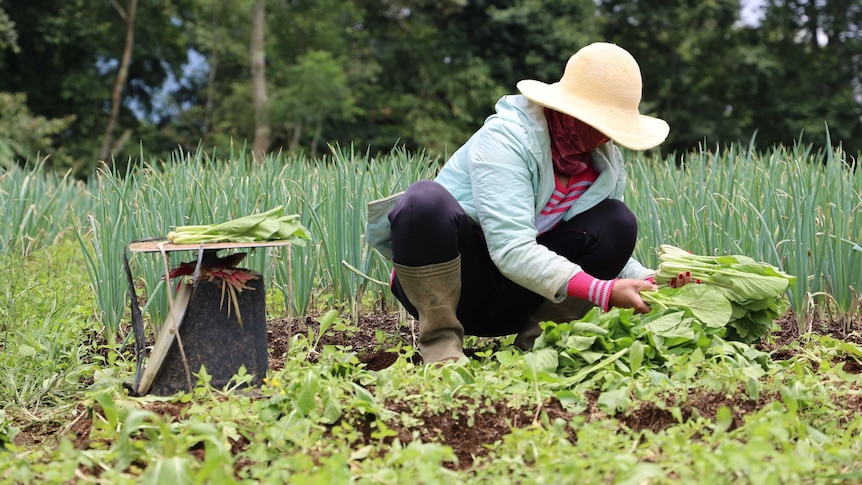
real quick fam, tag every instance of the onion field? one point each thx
(347, 399)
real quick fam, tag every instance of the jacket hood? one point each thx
(518, 109)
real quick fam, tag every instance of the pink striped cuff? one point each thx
(594, 290)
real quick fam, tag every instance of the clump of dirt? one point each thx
(364, 337)
(700, 402)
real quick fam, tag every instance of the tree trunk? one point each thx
(293, 143)
(261, 103)
(212, 62)
(122, 73)
(318, 129)
(211, 77)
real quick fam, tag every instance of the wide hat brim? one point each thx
(625, 127)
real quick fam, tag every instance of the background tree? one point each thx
(318, 92)
(419, 73)
(320, 65)
(67, 58)
(689, 53)
(214, 97)
(299, 35)
(817, 52)
(23, 136)
(8, 35)
(258, 76)
(718, 80)
(445, 63)
(127, 14)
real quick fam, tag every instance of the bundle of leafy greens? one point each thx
(681, 321)
(718, 318)
(754, 289)
(272, 225)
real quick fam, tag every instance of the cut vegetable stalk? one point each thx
(265, 226)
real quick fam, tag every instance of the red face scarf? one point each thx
(572, 141)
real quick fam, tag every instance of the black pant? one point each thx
(429, 227)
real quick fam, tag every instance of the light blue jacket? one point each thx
(503, 177)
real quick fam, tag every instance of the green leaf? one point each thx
(643, 473)
(743, 285)
(26, 351)
(590, 356)
(578, 342)
(363, 394)
(331, 410)
(327, 320)
(614, 401)
(752, 388)
(723, 418)
(665, 324)
(307, 398)
(174, 470)
(543, 360)
(704, 302)
(586, 327)
(585, 372)
(636, 355)
(361, 453)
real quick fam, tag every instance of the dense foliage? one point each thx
(418, 73)
(783, 413)
(664, 398)
(791, 208)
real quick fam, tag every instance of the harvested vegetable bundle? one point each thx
(231, 279)
(272, 225)
(735, 304)
(753, 288)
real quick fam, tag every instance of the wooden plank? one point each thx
(166, 337)
(153, 246)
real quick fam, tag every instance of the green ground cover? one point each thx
(785, 409)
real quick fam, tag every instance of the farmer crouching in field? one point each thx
(525, 223)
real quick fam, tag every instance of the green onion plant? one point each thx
(792, 207)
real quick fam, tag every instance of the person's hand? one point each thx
(681, 280)
(626, 294)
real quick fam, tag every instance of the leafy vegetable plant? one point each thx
(737, 300)
(265, 226)
(754, 289)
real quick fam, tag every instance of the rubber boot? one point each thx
(567, 310)
(435, 290)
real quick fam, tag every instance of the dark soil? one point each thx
(490, 425)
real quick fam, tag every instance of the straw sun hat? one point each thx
(601, 86)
